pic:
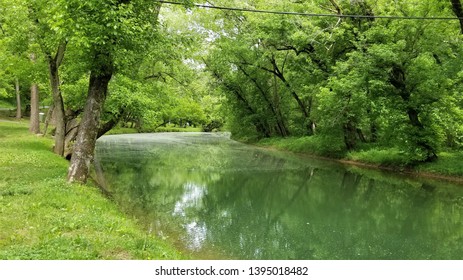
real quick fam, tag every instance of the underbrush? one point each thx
(314, 145)
(6, 104)
(449, 163)
(127, 130)
(391, 157)
(178, 129)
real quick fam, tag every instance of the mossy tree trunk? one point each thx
(84, 147)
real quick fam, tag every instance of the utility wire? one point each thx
(311, 14)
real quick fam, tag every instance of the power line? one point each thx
(310, 14)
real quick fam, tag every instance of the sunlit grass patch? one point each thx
(167, 128)
(314, 145)
(448, 163)
(380, 156)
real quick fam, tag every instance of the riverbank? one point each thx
(43, 217)
(449, 165)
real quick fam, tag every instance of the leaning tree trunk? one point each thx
(279, 74)
(84, 147)
(58, 104)
(48, 119)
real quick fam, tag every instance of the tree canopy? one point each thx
(349, 74)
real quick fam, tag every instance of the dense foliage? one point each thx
(155, 82)
(343, 83)
(350, 82)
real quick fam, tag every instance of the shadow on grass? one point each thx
(7, 129)
(28, 146)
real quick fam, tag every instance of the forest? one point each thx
(334, 76)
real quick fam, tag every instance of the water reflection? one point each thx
(191, 197)
(196, 230)
(224, 199)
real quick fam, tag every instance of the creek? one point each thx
(215, 198)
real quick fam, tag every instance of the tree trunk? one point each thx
(111, 123)
(361, 136)
(458, 10)
(350, 137)
(18, 100)
(282, 130)
(279, 74)
(431, 153)
(58, 104)
(34, 126)
(398, 80)
(414, 119)
(84, 147)
(261, 125)
(48, 119)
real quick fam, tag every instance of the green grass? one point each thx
(122, 130)
(314, 145)
(448, 164)
(43, 217)
(168, 128)
(380, 156)
(172, 128)
(7, 105)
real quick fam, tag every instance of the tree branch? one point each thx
(60, 53)
(172, 76)
(336, 6)
(107, 126)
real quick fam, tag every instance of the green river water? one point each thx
(215, 198)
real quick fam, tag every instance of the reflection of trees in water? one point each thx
(254, 205)
(315, 217)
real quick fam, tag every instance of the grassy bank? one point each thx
(448, 163)
(43, 217)
(167, 128)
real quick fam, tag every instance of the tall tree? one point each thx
(114, 31)
(15, 37)
(358, 79)
(50, 32)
